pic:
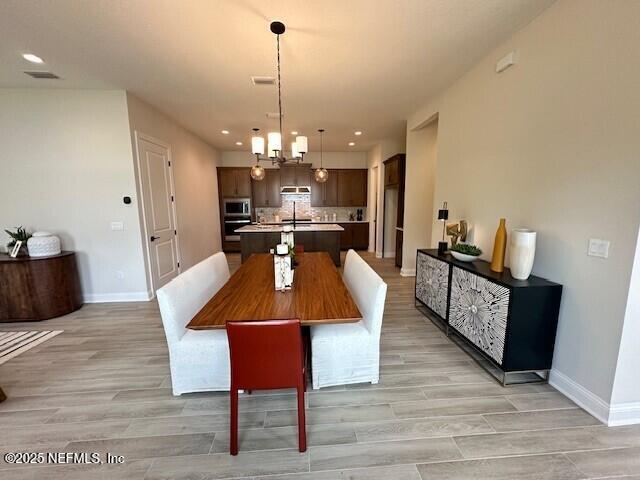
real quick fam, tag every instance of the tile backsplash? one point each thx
(305, 210)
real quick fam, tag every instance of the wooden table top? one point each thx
(318, 296)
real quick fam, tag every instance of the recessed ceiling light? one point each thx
(224, 132)
(238, 143)
(294, 133)
(30, 57)
(357, 133)
(351, 144)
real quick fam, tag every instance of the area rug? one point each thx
(13, 344)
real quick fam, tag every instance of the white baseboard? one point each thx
(624, 414)
(580, 395)
(117, 297)
(407, 272)
(378, 254)
(391, 254)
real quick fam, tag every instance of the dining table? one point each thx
(318, 295)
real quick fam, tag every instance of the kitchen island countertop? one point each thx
(303, 227)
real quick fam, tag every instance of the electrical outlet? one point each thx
(119, 274)
(598, 248)
(116, 226)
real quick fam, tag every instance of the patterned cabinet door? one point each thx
(432, 283)
(479, 310)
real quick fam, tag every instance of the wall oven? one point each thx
(237, 207)
(231, 224)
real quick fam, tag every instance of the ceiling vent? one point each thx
(43, 75)
(273, 115)
(258, 80)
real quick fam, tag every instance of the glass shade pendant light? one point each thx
(257, 148)
(257, 172)
(321, 175)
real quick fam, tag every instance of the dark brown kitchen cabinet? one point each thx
(303, 175)
(359, 193)
(346, 237)
(355, 235)
(360, 236)
(234, 182)
(295, 175)
(325, 194)
(352, 187)
(391, 171)
(266, 192)
(288, 176)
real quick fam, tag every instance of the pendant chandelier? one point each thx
(275, 153)
(321, 175)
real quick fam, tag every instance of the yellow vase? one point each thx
(499, 247)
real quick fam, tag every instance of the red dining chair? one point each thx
(266, 355)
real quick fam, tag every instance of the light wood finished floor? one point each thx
(104, 386)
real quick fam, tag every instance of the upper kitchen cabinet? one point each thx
(295, 175)
(392, 171)
(266, 192)
(352, 187)
(325, 194)
(234, 182)
(303, 175)
(288, 176)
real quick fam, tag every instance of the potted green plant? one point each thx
(20, 235)
(464, 252)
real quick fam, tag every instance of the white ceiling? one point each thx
(347, 64)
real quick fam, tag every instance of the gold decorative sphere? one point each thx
(321, 175)
(257, 172)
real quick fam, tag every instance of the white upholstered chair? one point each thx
(199, 360)
(350, 352)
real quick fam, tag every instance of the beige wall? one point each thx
(65, 164)
(422, 152)
(194, 171)
(552, 144)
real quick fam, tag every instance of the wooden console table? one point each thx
(510, 323)
(39, 288)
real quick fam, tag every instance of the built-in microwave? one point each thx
(237, 207)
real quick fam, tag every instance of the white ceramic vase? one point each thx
(522, 251)
(43, 244)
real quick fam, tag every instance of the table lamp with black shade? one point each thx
(443, 216)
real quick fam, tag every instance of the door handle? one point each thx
(154, 238)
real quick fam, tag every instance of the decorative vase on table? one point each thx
(499, 247)
(522, 251)
(43, 244)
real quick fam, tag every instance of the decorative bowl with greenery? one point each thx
(20, 235)
(464, 252)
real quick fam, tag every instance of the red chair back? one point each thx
(265, 354)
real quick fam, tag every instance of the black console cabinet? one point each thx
(510, 323)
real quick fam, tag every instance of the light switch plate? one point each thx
(117, 226)
(598, 248)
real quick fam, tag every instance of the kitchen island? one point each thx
(312, 237)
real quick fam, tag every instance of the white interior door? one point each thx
(156, 183)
